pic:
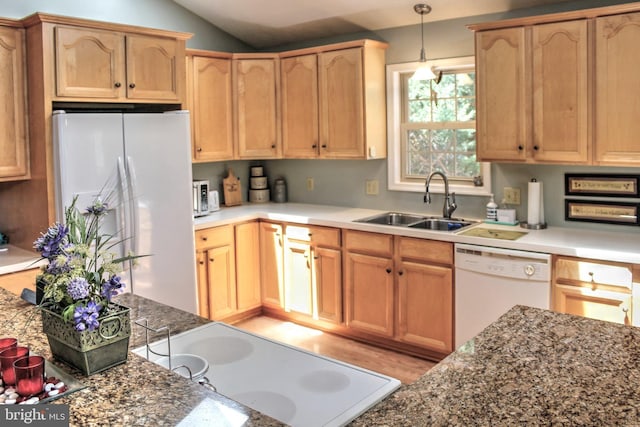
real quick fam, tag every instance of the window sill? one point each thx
(437, 187)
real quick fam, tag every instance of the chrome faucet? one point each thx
(449, 198)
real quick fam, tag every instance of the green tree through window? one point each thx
(438, 126)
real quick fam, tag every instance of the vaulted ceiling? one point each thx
(268, 23)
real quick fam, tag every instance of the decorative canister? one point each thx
(280, 191)
(257, 171)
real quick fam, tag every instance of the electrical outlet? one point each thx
(310, 184)
(371, 187)
(511, 195)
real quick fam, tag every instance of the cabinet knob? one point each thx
(315, 257)
(117, 84)
(536, 148)
(273, 145)
(201, 262)
(199, 149)
(520, 148)
(212, 259)
(400, 273)
(314, 145)
(132, 85)
(388, 270)
(204, 238)
(324, 145)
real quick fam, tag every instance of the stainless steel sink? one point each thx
(393, 218)
(417, 221)
(441, 224)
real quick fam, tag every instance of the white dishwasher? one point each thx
(489, 281)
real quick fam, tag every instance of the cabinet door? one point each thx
(369, 293)
(248, 265)
(89, 63)
(203, 283)
(14, 153)
(596, 304)
(617, 92)
(299, 89)
(222, 281)
(272, 264)
(425, 306)
(256, 108)
(155, 68)
(503, 117)
(560, 92)
(327, 277)
(298, 286)
(341, 104)
(212, 109)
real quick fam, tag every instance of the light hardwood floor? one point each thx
(401, 366)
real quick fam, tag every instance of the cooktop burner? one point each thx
(287, 383)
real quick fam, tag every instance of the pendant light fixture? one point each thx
(423, 72)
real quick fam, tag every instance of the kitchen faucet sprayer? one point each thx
(449, 198)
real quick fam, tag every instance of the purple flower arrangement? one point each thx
(82, 275)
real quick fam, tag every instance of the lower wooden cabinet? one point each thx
(313, 272)
(272, 264)
(369, 282)
(400, 288)
(228, 267)
(596, 289)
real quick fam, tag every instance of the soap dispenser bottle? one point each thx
(492, 210)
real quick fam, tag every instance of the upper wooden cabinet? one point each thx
(14, 145)
(210, 101)
(532, 93)
(91, 63)
(256, 106)
(503, 126)
(300, 131)
(333, 101)
(616, 90)
(560, 88)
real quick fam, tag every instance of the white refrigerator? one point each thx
(144, 161)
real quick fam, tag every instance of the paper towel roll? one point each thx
(535, 209)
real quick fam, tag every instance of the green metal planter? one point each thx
(89, 351)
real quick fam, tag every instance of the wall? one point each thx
(164, 14)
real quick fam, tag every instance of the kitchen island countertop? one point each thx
(531, 366)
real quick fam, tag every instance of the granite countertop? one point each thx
(532, 366)
(137, 392)
(620, 246)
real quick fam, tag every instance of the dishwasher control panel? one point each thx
(517, 264)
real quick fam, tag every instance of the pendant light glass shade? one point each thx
(423, 72)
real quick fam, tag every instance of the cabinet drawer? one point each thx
(320, 235)
(215, 236)
(425, 250)
(593, 273)
(368, 242)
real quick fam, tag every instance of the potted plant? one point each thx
(85, 328)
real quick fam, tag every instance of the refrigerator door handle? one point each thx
(134, 205)
(124, 224)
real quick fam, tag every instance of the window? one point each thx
(432, 128)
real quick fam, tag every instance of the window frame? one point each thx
(395, 108)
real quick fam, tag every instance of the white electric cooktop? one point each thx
(287, 383)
